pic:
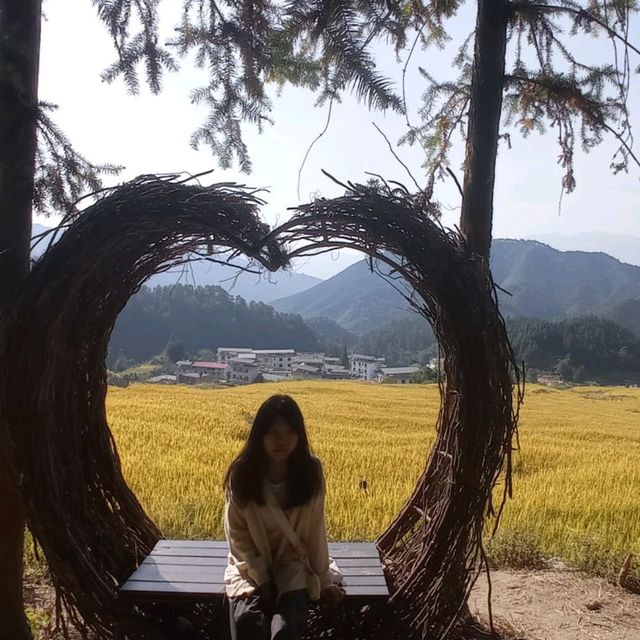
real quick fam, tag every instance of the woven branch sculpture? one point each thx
(52, 399)
(433, 549)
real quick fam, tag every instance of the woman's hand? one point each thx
(331, 594)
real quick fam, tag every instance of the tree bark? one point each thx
(487, 85)
(19, 55)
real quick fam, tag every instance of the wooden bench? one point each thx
(184, 571)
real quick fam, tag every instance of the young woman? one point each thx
(274, 523)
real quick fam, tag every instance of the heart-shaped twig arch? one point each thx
(52, 398)
(434, 547)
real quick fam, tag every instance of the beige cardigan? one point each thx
(250, 561)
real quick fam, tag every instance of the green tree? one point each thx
(175, 351)
(325, 47)
(566, 368)
(344, 357)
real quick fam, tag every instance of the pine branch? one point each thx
(62, 174)
(578, 13)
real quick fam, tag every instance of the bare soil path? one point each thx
(558, 605)
(527, 605)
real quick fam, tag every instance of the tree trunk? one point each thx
(19, 55)
(487, 84)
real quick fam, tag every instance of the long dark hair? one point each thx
(245, 476)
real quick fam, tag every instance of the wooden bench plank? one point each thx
(206, 544)
(181, 573)
(221, 561)
(336, 551)
(213, 544)
(151, 590)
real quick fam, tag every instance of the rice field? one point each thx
(577, 476)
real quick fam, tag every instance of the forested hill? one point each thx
(543, 283)
(581, 349)
(203, 318)
(550, 284)
(586, 348)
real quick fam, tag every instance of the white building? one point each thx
(399, 375)
(242, 371)
(274, 359)
(310, 358)
(364, 366)
(227, 353)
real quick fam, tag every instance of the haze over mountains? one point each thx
(543, 283)
(250, 286)
(624, 248)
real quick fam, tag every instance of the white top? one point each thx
(259, 548)
(273, 529)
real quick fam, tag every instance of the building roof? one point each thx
(163, 378)
(184, 363)
(274, 377)
(306, 367)
(235, 349)
(318, 362)
(337, 371)
(208, 365)
(278, 351)
(397, 371)
(244, 361)
(361, 356)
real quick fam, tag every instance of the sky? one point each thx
(150, 134)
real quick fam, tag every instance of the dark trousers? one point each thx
(254, 618)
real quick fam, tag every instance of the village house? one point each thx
(272, 360)
(184, 366)
(189, 378)
(275, 359)
(215, 370)
(365, 367)
(397, 375)
(306, 372)
(227, 353)
(312, 359)
(336, 372)
(242, 371)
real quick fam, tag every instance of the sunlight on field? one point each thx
(577, 477)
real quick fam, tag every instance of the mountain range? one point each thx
(625, 248)
(541, 282)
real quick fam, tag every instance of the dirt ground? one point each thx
(558, 605)
(527, 605)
